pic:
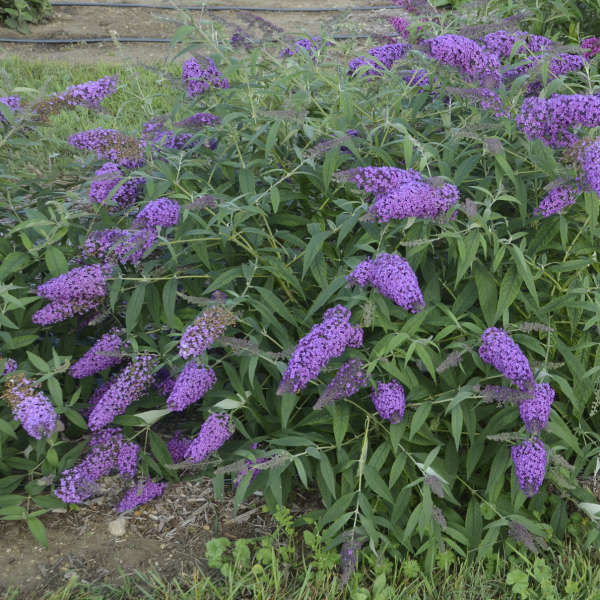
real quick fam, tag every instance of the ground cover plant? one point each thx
(369, 274)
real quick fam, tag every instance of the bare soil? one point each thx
(88, 22)
(168, 536)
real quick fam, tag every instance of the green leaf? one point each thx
(169, 296)
(376, 483)
(509, 290)
(39, 531)
(7, 429)
(456, 423)
(312, 248)
(75, 418)
(12, 262)
(487, 291)
(418, 419)
(327, 473)
(56, 261)
(150, 417)
(134, 307)
(524, 271)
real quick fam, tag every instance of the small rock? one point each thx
(118, 527)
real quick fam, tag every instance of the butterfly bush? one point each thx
(393, 277)
(215, 431)
(129, 386)
(108, 452)
(107, 177)
(553, 119)
(502, 43)
(13, 102)
(161, 212)
(163, 382)
(198, 121)
(74, 293)
(311, 45)
(203, 332)
(387, 54)
(105, 353)
(200, 80)
(589, 160)
(502, 352)
(389, 401)
(530, 459)
(119, 245)
(110, 145)
(535, 410)
(349, 379)
(10, 365)
(177, 447)
(557, 199)
(326, 340)
(30, 406)
(140, 494)
(591, 46)
(191, 384)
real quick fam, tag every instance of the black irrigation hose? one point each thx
(216, 8)
(130, 39)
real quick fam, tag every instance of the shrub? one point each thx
(359, 262)
(16, 14)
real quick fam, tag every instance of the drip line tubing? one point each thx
(231, 8)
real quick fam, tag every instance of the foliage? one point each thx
(17, 14)
(279, 237)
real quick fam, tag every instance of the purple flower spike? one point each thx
(119, 245)
(326, 340)
(108, 176)
(105, 353)
(215, 431)
(110, 144)
(13, 102)
(193, 382)
(198, 121)
(379, 180)
(161, 212)
(393, 277)
(388, 55)
(555, 201)
(140, 494)
(200, 80)
(590, 165)
(128, 387)
(530, 460)
(501, 351)
(347, 381)
(202, 333)
(10, 365)
(309, 44)
(535, 410)
(501, 42)
(178, 446)
(389, 401)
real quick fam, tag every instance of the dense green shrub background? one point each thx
(280, 242)
(16, 14)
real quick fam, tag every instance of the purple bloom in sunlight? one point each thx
(191, 384)
(530, 459)
(203, 332)
(200, 80)
(105, 353)
(161, 212)
(591, 47)
(10, 365)
(111, 145)
(555, 201)
(119, 245)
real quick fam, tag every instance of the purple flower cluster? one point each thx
(215, 431)
(157, 135)
(161, 212)
(589, 159)
(393, 277)
(127, 387)
(200, 80)
(241, 38)
(164, 383)
(178, 446)
(591, 47)
(108, 452)
(111, 145)
(191, 384)
(73, 293)
(202, 333)
(198, 121)
(388, 55)
(530, 458)
(249, 465)
(555, 200)
(326, 340)
(90, 93)
(535, 410)
(10, 365)
(30, 406)
(379, 180)
(13, 102)
(389, 401)
(418, 78)
(108, 176)
(140, 494)
(119, 245)
(401, 26)
(502, 352)
(309, 44)
(502, 42)
(466, 55)
(105, 353)
(552, 119)
(350, 378)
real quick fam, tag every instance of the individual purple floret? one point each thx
(107, 453)
(388, 55)
(501, 351)
(530, 460)
(389, 401)
(502, 42)
(161, 212)
(10, 365)
(107, 177)
(350, 378)
(111, 145)
(589, 159)
(178, 446)
(200, 80)
(105, 353)
(466, 55)
(30, 406)
(198, 121)
(326, 340)
(309, 44)
(128, 387)
(202, 333)
(555, 200)
(73, 293)
(535, 410)
(553, 119)
(191, 384)
(393, 277)
(13, 102)
(215, 431)
(140, 494)
(119, 245)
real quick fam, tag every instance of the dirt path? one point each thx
(86, 22)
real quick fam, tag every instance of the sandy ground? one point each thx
(86, 22)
